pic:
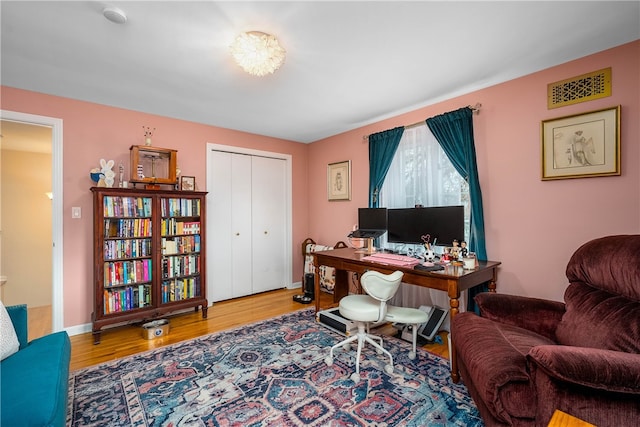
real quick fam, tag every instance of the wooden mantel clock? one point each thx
(153, 166)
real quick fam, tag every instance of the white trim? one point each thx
(57, 294)
(288, 195)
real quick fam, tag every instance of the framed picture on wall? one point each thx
(582, 145)
(339, 181)
(187, 183)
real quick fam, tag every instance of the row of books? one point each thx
(172, 226)
(182, 265)
(127, 227)
(180, 244)
(131, 248)
(118, 206)
(180, 289)
(128, 298)
(180, 207)
(127, 272)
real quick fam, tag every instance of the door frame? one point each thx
(57, 292)
(288, 200)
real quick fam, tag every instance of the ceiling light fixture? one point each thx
(258, 53)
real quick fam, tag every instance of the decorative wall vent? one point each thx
(582, 88)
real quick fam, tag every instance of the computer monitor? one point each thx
(408, 225)
(372, 222)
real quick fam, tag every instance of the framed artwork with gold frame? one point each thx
(339, 181)
(582, 145)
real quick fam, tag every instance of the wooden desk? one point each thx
(452, 280)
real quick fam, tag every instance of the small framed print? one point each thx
(339, 181)
(582, 145)
(187, 183)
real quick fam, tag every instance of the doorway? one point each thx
(30, 145)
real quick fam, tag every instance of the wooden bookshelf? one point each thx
(149, 254)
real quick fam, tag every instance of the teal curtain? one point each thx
(382, 148)
(454, 132)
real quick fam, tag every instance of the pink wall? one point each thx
(93, 131)
(532, 226)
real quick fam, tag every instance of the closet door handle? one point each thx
(237, 234)
(266, 232)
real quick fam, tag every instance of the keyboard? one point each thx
(392, 259)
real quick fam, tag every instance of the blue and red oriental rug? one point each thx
(270, 373)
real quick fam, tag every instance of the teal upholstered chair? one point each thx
(34, 380)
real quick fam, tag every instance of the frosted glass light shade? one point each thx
(258, 53)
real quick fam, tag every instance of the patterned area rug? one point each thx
(270, 373)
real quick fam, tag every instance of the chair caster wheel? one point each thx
(346, 347)
(388, 369)
(412, 355)
(328, 360)
(355, 377)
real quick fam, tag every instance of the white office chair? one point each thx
(407, 316)
(367, 309)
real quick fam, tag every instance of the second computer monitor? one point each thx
(444, 223)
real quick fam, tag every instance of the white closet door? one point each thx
(219, 232)
(269, 221)
(241, 253)
(229, 226)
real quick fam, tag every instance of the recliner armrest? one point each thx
(595, 368)
(534, 314)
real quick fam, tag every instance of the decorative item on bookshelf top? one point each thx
(153, 166)
(103, 176)
(148, 133)
(187, 183)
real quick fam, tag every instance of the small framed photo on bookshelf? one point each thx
(187, 183)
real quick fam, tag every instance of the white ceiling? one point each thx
(349, 63)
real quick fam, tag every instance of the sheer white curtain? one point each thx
(421, 174)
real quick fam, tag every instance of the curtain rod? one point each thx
(475, 109)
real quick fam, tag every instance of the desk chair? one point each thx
(408, 316)
(367, 309)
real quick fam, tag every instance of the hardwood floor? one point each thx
(126, 340)
(38, 321)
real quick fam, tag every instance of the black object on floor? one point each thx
(309, 290)
(302, 299)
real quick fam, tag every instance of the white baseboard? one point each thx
(295, 285)
(79, 329)
(88, 327)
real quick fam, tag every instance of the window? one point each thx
(421, 174)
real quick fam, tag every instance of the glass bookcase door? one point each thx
(181, 248)
(127, 254)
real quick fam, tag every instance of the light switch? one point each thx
(76, 212)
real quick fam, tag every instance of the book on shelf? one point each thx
(129, 298)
